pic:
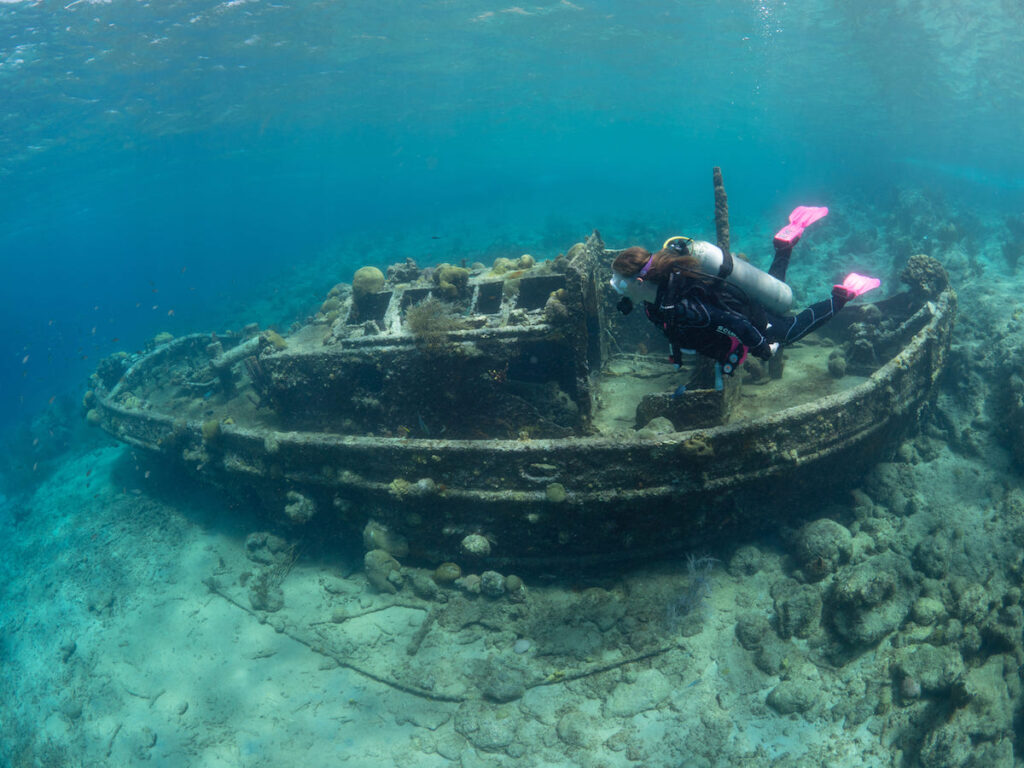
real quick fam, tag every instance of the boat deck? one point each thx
(626, 379)
(618, 388)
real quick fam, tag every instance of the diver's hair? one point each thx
(630, 261)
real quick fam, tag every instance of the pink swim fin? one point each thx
(855, 285)
(801, 218)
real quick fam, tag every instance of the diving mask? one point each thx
(635, 288)
(619, 283)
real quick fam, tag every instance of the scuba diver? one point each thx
(706, 302)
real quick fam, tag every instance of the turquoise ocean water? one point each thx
(189, 166)
(183, 155)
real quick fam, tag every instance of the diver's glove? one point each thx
(625, 305)
(764, 350)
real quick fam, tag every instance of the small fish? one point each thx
(24, 359)
(170, 313)
(115, 340)
(52, 399)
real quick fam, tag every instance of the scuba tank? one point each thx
(774, 295)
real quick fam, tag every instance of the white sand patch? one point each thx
(129, 636)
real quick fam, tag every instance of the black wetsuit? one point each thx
(706, 316)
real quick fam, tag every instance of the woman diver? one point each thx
(705, 302)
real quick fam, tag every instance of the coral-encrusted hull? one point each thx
(580, 498)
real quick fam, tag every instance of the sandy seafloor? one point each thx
(885, 632)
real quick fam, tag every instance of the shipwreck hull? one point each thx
(582, 499)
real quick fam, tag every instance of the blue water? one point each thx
(190, 166)
(187, 155)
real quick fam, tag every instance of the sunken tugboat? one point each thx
(514, 408)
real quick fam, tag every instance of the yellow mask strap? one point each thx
(678, 237)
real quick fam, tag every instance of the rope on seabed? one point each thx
(214, 586)
(554, 678)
